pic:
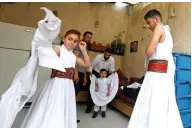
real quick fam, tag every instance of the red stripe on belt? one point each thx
(157, 66)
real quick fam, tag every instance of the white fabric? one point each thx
(103, 84)
(122, 87)
(55, 104)
(156, 103)
(100, 98)
(25, 82)
(146, 62)
(51, 61)
(99, 63)
(103, 108)
(134, 85)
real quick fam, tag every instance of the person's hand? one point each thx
(85, 80)
(96, 89)
(108, 93)
(76, 78)
(90, 74)
(91, 42)
(82, 45)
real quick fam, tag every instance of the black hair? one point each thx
(103, 70)
(61, 43)
(108, 50)
(87, 32)
(152, 13)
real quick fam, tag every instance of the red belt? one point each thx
(158, 66)
(68, 74)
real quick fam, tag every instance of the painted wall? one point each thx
(180, 28)
(82, 16)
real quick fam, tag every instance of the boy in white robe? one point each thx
(102, 89)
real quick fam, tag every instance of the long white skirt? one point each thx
(100, 98)
(156, 104)
(54, 106)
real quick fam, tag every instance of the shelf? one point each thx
(100, 48)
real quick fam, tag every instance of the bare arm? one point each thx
(57, 51)
(109, 88)
(154, 41)
(85, 62)
(77, 55)
(96, 86)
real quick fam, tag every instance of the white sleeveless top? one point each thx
(103, 84)
(164, 49)
(68, 59)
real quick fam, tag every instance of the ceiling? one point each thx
(129, 3)
(132, 3)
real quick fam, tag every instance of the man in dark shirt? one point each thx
(80, 77)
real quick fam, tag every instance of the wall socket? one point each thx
(29, 30)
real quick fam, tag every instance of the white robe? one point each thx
(100, 98)
(25, 82)
(103, 84)
(55, 104)
(156, 106)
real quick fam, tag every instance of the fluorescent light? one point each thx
(133, 3)
(120, 4)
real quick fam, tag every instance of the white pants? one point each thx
(103, 108)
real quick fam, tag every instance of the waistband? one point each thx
(68, 74)
(158, 66)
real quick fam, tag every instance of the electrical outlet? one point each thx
(29, 30)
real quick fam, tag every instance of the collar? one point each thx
(104, 59)
(66, 48)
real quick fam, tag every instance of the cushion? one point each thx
(121, 76)
(134, 79)
(123, 83)
(121, 95)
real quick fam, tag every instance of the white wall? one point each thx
(14, 36)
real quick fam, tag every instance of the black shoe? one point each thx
(78, 121)
(94, 115)
(103, 115)
(87, 110)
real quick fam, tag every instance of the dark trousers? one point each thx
(79, 83)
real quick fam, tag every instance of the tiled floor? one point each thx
(113, 119)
